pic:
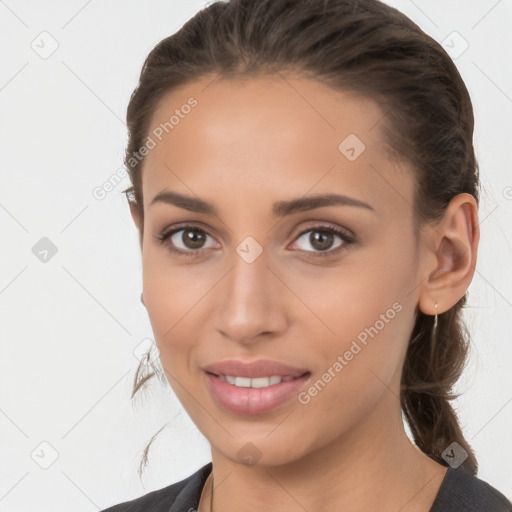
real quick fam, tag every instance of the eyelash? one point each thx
(345, 237)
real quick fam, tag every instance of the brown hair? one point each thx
(370, 48)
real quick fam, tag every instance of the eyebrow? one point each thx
(279, 209)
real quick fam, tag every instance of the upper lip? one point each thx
(254, 369)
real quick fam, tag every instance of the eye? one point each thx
(322, 239)
(189, 240)
(185, 240)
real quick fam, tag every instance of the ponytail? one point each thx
(434, 361)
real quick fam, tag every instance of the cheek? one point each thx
(363, 295)
(169, 301)
(367, 312)
(359, 371)
(168, 297)
(178, 302)
(171, 291)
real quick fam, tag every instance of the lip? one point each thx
(250, 401)
(254, 369)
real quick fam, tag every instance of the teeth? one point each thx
(258, 382)
(275, 379)
(243, 382)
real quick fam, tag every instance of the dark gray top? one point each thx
(460, 491)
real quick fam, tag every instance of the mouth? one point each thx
(254, 389)
(254, 369)
(256, 382)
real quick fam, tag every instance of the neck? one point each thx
(374, 466)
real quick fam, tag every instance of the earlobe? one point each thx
(455, 245)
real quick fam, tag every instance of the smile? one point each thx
(258, 382)
(254, 395)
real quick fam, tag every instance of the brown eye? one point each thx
(192, 238)
(185, 240)
(323, 239)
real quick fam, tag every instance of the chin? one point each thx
(253, 451)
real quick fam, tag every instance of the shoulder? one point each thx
(180, 496)
(460, 490)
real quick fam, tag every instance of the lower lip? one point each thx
(252, 400)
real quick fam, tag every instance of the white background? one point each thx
(69, 326)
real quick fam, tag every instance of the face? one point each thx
(326, 288)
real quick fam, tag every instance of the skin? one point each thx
(246, 145)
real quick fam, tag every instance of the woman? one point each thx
(306, 193)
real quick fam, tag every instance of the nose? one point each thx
(251, 301)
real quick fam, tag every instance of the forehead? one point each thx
(278, 134)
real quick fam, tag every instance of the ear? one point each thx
(137, 219)
(453, 245)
